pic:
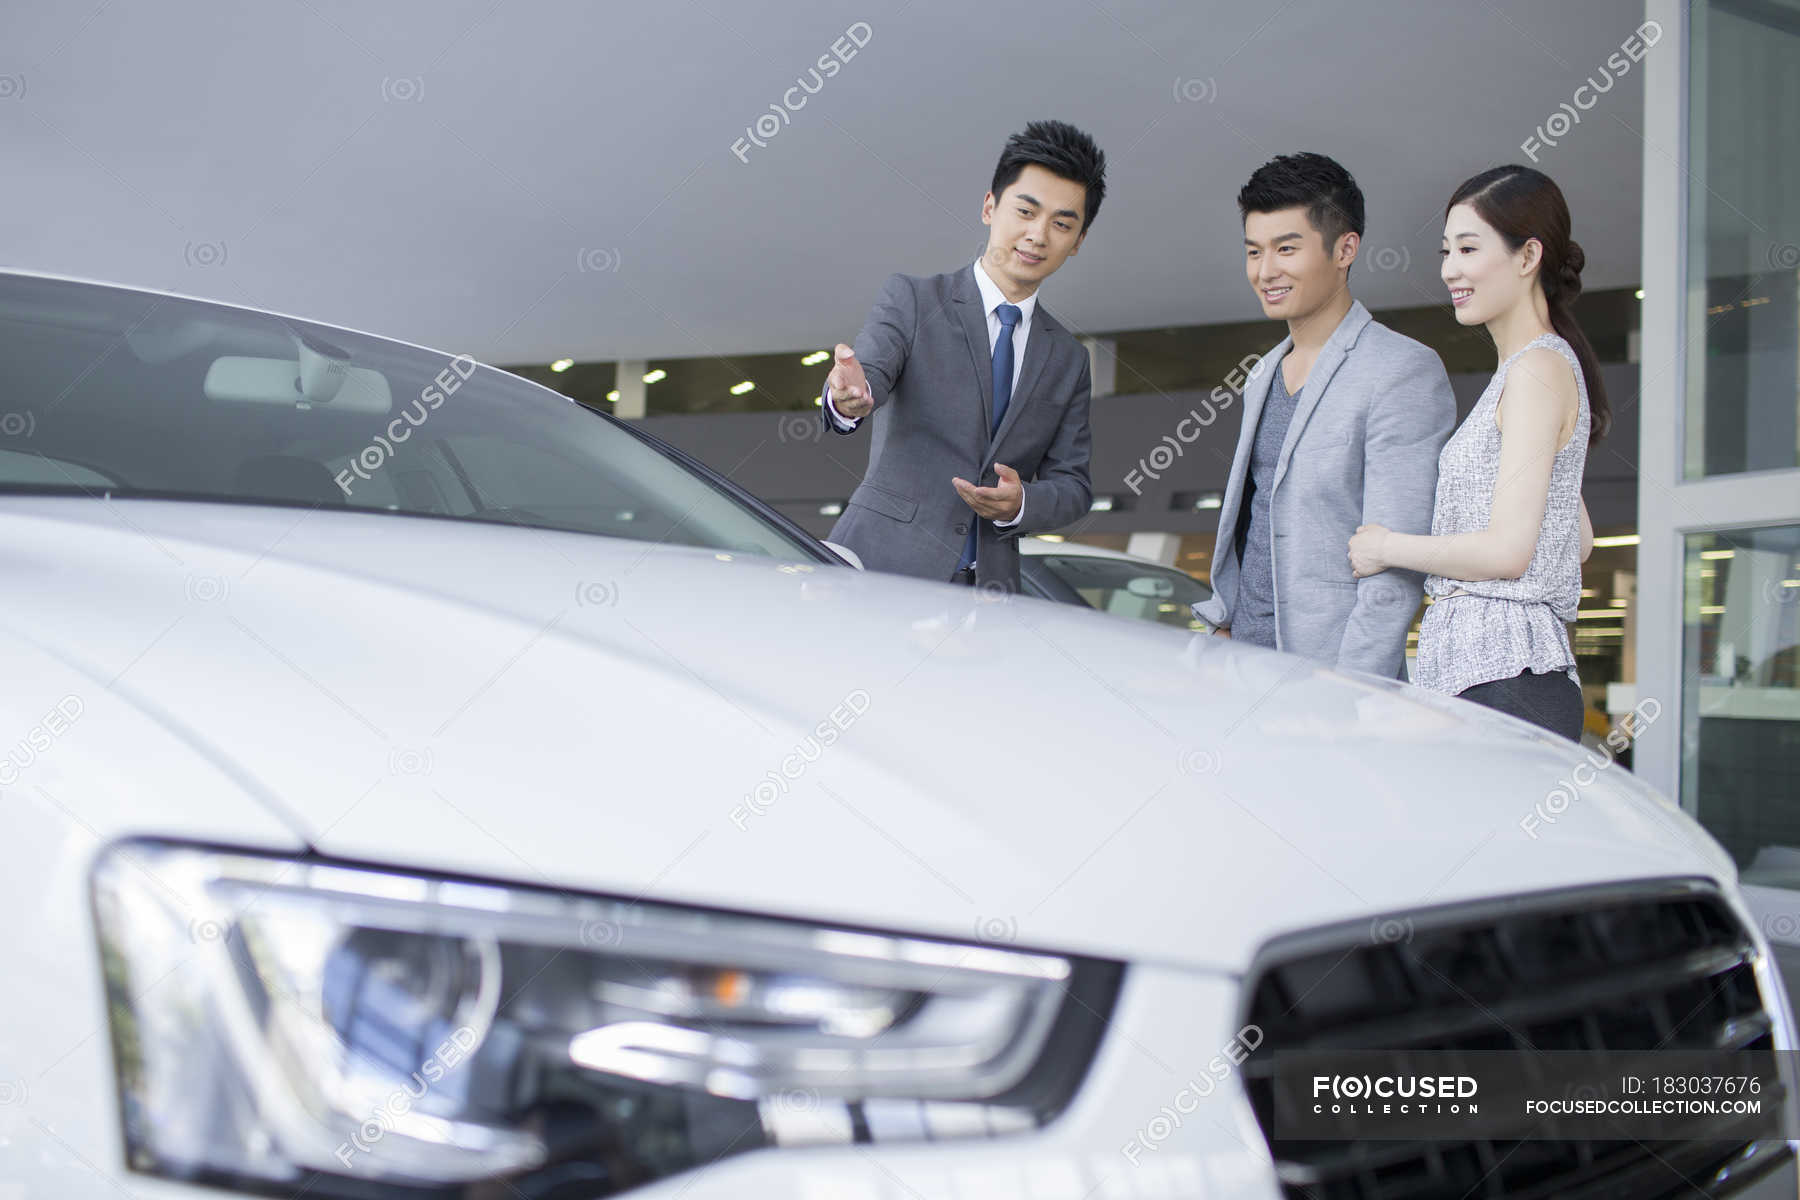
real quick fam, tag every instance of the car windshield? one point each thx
(119, 393)
(1140, 590)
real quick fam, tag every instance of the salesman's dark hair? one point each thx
(1060, 149)
(1333, 202)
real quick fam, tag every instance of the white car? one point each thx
(419, 785)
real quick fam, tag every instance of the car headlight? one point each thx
(280, 1020)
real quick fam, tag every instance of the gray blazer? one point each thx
(925, 352)
(1362, 449)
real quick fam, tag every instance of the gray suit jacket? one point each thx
(1362, 449)
(925, 351)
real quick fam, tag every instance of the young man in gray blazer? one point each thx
(1343, 422)
(979, 396)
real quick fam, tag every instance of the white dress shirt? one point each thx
(991, 299)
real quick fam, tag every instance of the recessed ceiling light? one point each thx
(1210, 500)
(738, 389)
(613, 396)
(1101, 504)
(1050, 537)
(830, 510)
(1621, 603)
(1718, 554)
(562, 364)
(815, 358)
(655, 376)
(1623, 539)
(1640, 293)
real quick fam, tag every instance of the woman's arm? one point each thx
(1540, 392)
(1587, 532)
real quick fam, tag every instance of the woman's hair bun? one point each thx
(1568, 279)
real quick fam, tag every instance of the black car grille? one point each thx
(1665, 966)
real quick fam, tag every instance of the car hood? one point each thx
(805, 740)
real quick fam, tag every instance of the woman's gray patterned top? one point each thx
(1482, 630)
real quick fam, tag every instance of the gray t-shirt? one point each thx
(1253, 614)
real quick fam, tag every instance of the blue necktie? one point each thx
(1003, 376)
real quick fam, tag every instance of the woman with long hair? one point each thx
(1509, 531)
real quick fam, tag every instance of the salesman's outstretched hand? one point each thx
(998, 503)
(849, 387)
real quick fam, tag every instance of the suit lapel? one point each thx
(973, 323)
(1037, 353)
(1337, 346)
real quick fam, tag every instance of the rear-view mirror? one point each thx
(233, 379)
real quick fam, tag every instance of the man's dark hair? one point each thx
(1333, 202)
(1060, 149)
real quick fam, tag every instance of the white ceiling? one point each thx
(444, 171)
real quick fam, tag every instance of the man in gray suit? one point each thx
(969, 453)
(1343, 422)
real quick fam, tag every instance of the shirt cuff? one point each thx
(842, 423)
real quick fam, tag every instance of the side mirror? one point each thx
(845, 553)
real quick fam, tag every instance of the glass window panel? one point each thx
(1743, 289)
(1741, 745)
